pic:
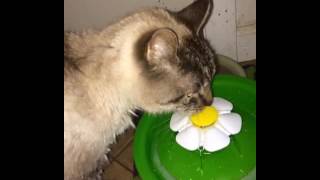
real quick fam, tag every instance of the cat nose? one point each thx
(208, 102)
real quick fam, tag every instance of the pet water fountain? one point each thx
(160, 154)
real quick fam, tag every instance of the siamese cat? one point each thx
(153, 60)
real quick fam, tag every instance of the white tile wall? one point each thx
(231, 29)
(221, 28)
(246, 42)
(246, 29)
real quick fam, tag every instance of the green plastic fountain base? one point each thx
(158, 157)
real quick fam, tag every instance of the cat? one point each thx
(153, 60)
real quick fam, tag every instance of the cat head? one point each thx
(178, 70)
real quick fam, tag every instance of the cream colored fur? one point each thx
(98, 100)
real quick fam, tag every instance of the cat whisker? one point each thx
(133, 113)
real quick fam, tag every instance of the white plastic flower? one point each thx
(209, 129)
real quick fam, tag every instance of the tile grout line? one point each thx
(125, 148)
(122, 165)
(122, 149)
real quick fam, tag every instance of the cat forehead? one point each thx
(196, 57)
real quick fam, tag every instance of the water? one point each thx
(201, 160)
(171, 161)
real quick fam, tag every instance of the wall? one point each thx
(231, 29)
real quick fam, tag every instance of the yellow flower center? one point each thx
(206, 117)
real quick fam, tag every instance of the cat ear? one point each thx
(197, 14)
(162, 46)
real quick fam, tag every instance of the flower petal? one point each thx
(178, 121)
(222, 105)
(230, 122)
(215, 140)
(189, 138)
(222, 129)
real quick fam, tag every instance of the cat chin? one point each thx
(172, 109)
(188, 110)
(155, 111)
(159, 110)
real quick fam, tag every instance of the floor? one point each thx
(121, 159)
(121, 164)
